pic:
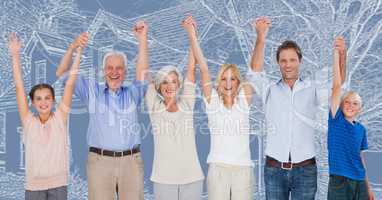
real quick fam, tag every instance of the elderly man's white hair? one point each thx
(115, 53)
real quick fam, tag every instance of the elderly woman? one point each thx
(176, 172)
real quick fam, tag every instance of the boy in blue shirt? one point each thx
(346, 141)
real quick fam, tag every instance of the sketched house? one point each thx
(70, 23)
(44, 51)
(8, 109)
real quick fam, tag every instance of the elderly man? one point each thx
(290, 168)
(114, 163)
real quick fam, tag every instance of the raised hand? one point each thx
(79, 50)
(140, 30)
(371, 194)
(340, 46)
(80, 41)
(66, 100)
(14, 48)
(262, 25)
(189, 24)
(14, 44)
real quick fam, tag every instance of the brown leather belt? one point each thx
(271, 162)
(105, 152)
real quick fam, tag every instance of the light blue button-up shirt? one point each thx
(291, 116)
(113, 116)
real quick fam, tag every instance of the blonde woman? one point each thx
(176, 172)
(230, 174)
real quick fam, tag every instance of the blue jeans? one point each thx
(299, 182)
(342, 188)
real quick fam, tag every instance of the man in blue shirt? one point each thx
(114, 161)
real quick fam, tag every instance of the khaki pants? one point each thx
(106, 174)
(225, 182)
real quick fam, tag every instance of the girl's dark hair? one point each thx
(39, 87)
(288, 44)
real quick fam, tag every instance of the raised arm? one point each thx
(262, 26)
(188, 96)
(342, 56)
(80, 41)
(190, 26)
(66, 100)
(140, 30)
(21, 98)
(336, 88)
(191, 66)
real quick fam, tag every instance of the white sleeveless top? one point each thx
(229, 129)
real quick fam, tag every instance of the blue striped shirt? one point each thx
(346, 140)
(113, 117)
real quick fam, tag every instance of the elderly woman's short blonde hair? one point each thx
(162, 74)
(235, 72)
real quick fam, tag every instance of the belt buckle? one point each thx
(286, 168)
(116, 152)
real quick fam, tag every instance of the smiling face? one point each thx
(351, 105)
(43, 101)
(114, 71)
(229, 82)
(289, 63)
(169, 86)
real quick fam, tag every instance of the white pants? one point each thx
(191, 191)
(230, 182)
